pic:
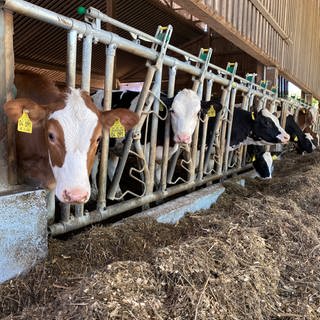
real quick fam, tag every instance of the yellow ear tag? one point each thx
(253, 158)
(117, 130)
(274, 157)
(211, 112)
(161, 107)
(295, 139)
(252, 116)
(24, 123)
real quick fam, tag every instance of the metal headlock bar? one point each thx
(208, 162)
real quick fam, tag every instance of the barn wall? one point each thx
(276, 33)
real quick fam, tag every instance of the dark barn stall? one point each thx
(252, 254)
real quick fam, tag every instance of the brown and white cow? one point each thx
(307, 118)
(67, 128)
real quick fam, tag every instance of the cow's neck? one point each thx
(242, 128)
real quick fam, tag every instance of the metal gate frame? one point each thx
(202, 71)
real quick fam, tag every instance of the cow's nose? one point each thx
(76, 195)
(284, 137)
(183, 138)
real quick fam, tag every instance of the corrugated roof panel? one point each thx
(41, 44)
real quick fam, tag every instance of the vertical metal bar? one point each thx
(165, 159)
(142, 99)
(229, 129)
(173, 162)
(65, 212)
(225, 98)
(204, 132)
(78, 211)
(154, 132)
(71, 82)
(72, 58)
(194, 149)
(8, 165)
(86, 63)
(86, 75)
(110, 52)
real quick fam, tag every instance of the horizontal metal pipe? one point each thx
(106, 37)
(111, 211)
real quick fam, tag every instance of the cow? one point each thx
(67, 127)
(120, 98)
(259, 127)
(184, 108)
(306, 119)
(303, 141)
(262, 161)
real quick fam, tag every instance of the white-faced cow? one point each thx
(184, 110)
(67, 128)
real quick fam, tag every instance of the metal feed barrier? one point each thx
(178, 174)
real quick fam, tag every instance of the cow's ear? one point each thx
(127, 118)
(206, 105)
(15, 108)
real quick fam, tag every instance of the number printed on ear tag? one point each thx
(117, 130)
(24, 123)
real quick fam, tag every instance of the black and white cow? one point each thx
(258, 127)
(184, 109)
(303, 141)
(120, 98)
(262, 161)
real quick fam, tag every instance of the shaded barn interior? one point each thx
(42, 47)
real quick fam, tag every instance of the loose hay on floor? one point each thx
(254, 255)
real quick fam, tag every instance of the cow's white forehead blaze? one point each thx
(313, 112)
(283, 136)
(186, 106)
(78, 123)
(268, 114)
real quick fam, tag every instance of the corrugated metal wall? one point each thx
(281, 33)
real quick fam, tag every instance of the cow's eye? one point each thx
(51, 137)
(171, 111)
(99, 139)
(269, 123)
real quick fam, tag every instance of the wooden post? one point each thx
(260, 72)
(7, 129)
(272, 76)
(307, 97)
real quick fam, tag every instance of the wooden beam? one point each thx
(214, 20)
(219, 24)
(270, 19)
